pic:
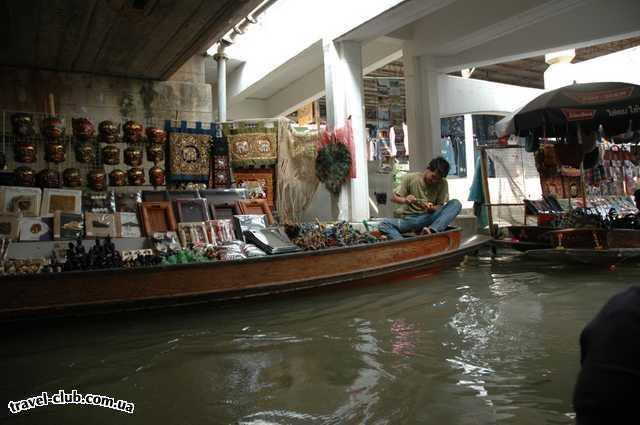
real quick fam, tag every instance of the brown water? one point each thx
(491, 341)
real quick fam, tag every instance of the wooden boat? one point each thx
(90, 292)
(525, 238)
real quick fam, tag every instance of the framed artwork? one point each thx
(157, 217)
(36, 229)
(100, 225)
(98, 202)
(67, 226)
(191, 210)
(223, 211)
(254, 180)
(25, 200)
(256, 206)
(128, 201)
(128, 225)
(64, 200)
(193, 234)
(9, 226)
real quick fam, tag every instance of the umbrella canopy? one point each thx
(557, 113)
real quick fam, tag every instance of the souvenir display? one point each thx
(133, 132)
(191, 210)
(155, 153)
(193, 234)
(108, 132)
(98, 225)
(111, 155)
(67, 226)
(166, 242)
(223, 230)
(127, 201)
(97, 180)
(49, 178)
(72, 177)
(83, 129)
(155, 195)
(255, 206)
(258, 182)
(103, 255)
(128, 225)
(9, 226)
(252, 144)
(155, 135)
(133, 156)
(98, 202)
(52, 128)
(36, 229)
(243, 223)
(22, 125)
(25, 152)
(189, 154)
(64, 200)
(23, 200)
(54, 152)
(157, 217)
(135, 176)
(271, 240)
(156, 176)
(117, 178)
(85, 152)
(25, 176)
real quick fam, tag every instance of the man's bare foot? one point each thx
(427, 231)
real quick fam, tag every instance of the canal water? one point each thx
(493, 341)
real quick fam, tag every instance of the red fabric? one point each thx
(341, 135)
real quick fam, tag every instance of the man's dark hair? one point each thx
(440, 165)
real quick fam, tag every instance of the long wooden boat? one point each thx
(89, 292)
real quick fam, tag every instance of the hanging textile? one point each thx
(189, 149)
(221, 168)
(251, 143)
(297, 182)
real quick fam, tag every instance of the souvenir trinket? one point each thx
(111, 155)
(25, 152)
(54, 152)
(156, 135)
(22, 124)
(156, 176)
(136, 176)
(52, 128)
(107, 132)
(155, 153)
(133, 156)
(132, 132)
(72, 177)
(85, 153)
(48, 178)
(25, 176)
(117, 178)
(83, 129)
(97, 180)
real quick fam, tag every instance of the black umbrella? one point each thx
(558, 113)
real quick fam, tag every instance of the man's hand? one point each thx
(410, 199)
(429, 206)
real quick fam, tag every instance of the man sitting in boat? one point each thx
(426, 207)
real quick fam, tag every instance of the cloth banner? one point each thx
(189, 151)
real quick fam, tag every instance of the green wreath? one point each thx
(332, 166)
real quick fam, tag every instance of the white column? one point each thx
(469, 147)
(221, 59)
(430, 108)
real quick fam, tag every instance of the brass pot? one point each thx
(111, 155)
(72, 177)
(133, 132)
(85, 153)
(83, 129)
(117, 178)
(136, 176)
(133, 156)
(25, 152)
(54, 152)
(156, 135)
(52, 128)
(22, 124)
(25, 176)
(155, 152)
(97, 180)
(48, 178)
(108, 132)
(156, 176)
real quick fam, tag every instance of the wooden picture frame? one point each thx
(36, 229)
(9, 226)
(65, 200)
(25, 200)
(191, 210)
(67, 226)
(128, 225)
(255, 206)
(98, 225)
(157, 217)
(223, 211)
(263, 177)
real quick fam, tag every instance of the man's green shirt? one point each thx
(413, 184)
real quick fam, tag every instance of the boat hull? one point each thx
(125, 289)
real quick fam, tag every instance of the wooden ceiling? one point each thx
(147, 39)
(530, 72)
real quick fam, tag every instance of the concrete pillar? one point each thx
(469, 147)
(559, 73)
(221, 59)
(345, 97)
(430, 107)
